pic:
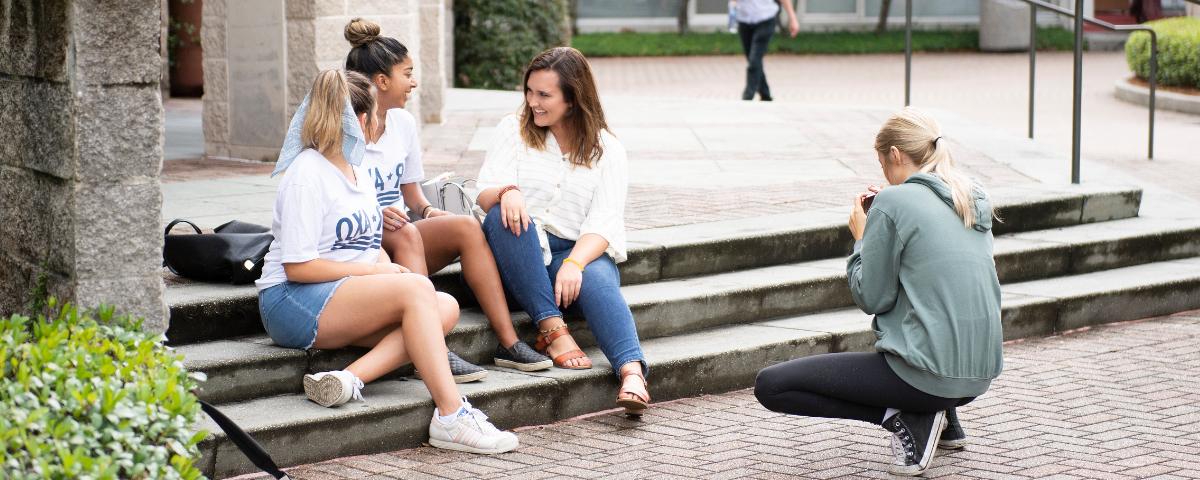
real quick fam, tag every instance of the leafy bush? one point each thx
(1178, 52)
(90, 395)
(495, 39)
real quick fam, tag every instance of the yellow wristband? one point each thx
(576, 262)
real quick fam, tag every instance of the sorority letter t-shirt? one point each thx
(395, 159)
(319, 213)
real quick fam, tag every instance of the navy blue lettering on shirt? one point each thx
(387, 186)
(361, 230)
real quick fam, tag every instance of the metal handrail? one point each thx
(1079, 18)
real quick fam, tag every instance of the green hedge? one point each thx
(90, 395)
(1178, 52)
(495, 39)
(636, 44)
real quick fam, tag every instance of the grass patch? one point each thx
(836, 43)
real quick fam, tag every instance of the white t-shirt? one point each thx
(395, 159)
(319, 213)
(756, 11)
(565, 200)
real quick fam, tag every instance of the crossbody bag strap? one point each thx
(251, 448)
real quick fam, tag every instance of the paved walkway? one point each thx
(1113, 402)
(712, 157)
(988, 88)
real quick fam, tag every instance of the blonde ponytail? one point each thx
(919, 136)
(322, 129)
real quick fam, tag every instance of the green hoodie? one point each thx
(931, 283)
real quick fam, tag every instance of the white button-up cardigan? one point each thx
(565, 200)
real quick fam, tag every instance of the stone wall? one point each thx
(80, 154)
(312, 40)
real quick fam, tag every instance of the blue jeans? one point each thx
(519, 259)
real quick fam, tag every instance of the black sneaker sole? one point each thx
(464, 378)
(525, 367)
(956, 444)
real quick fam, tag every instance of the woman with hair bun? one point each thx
(435, 238)
(326, 283)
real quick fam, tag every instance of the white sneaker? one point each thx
(470, 432)
(333, 388)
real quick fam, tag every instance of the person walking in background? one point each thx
(923, 264)
(755, 26)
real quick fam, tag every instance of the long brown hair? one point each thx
(585, 117)
(362, 100)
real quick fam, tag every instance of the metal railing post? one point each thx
(1077, 93)
(1153, 84)
(1032, 60)
(907, 52)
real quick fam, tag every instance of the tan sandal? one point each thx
(544, 339)
(634, 403)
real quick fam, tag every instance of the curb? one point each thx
(1166, 100)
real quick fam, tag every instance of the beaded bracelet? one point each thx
(506, 190)
(574, 261)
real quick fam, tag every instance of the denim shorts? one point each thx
(290, 311)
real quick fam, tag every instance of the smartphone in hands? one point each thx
(867, 199)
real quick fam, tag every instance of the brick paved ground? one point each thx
(1113, 402)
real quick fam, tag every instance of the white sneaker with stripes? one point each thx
(470, 431)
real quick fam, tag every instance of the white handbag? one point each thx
(456, 196)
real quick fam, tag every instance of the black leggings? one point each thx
(855, 386)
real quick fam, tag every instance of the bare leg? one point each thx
(448, 237)
(563, 344)
(447, 308)
(364, 305)
(405, 247)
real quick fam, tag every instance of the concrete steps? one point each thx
(396, 412)
(203, 312)
(248, 367)
(714, 304)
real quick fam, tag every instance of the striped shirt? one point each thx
(563, 199)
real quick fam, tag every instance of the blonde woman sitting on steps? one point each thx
(327, 284)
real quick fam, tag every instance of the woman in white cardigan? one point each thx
(554, 185)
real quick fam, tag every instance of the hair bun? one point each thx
(360, 32)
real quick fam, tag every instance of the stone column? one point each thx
(81, 132)
(312, 40)
(434, 76)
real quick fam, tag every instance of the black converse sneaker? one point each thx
(521, 357)
(914, 440)
(462, 370)
(953, 437)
